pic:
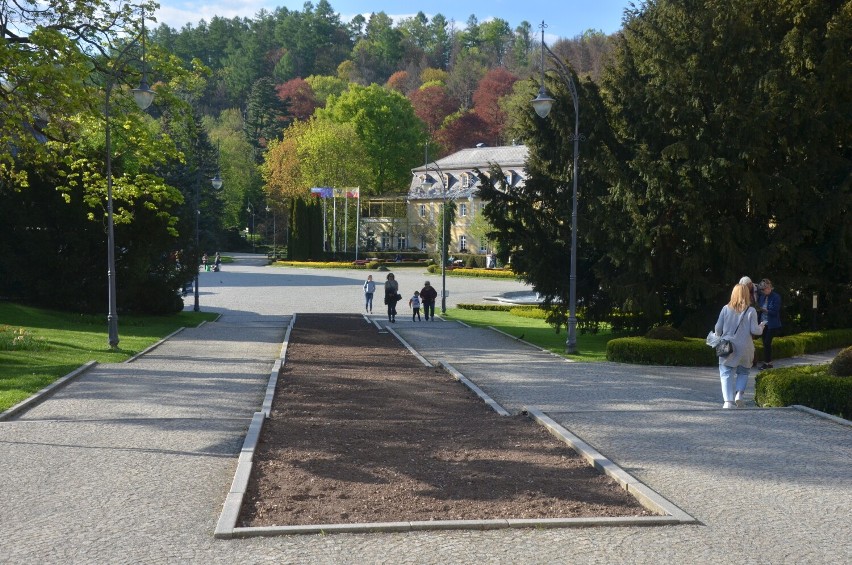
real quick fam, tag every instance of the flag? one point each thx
(322, 192)
(352, 193)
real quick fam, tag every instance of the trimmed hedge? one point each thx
(498, 307)
(694, 352)
(808, 385)
(465, 272)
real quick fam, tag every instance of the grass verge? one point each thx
(51, 344)
(590, 347)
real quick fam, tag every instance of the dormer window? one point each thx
(466, 180)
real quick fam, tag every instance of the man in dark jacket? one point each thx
(427, 297)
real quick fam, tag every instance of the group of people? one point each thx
(217, 262)
(752, 310)
(425, 297)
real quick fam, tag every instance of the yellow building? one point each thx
(453, 178)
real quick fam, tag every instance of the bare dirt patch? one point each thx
(361, 431)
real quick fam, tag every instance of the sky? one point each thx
(564, 18)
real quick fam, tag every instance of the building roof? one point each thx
(458, 172)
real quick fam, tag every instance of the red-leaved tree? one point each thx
(496, 84)
(300, 98)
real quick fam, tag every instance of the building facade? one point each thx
(411, 221)
(454, 179)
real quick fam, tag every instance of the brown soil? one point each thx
(362, 431)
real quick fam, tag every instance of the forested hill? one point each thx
(316, 44)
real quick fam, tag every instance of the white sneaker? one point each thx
(728, 405)
(738, 399)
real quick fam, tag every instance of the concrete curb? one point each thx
(646, 496)
(818, 414)
(438, 525)
(227, 523)
(476, 390)
(45, 392)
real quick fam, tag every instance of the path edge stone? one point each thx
(644, 494)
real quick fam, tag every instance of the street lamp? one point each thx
(273, 232)
(217, 183)
(250, 210)
(143, 96)
(435, 168)
(542, 105)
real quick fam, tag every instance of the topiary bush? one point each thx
(533, 312)
(691, 352)
(646, 351)
(807, 385)
(665, 333)
(841, 366)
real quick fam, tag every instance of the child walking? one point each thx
(414, 303)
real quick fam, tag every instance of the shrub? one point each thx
(487, 307)
(665, 333)
(808, 385)
(650, 351)
(691, 352)
(529, 312)
(841, 366)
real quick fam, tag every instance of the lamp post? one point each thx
(144, 96)
(444, 197)
(250, 210)
(273, 231)
(542, 105)
(217, 183)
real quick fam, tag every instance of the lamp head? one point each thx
(143, 95)
(216, 182)
(542, 103)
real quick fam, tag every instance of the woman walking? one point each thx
(737, 322)
(392, 296)
(369, 289)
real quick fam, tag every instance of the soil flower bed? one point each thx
(362, 432)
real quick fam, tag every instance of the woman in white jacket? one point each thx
(737, 322)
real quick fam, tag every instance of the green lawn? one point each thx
(51, 344)
(590, 347)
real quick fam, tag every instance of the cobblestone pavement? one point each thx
(130, 463)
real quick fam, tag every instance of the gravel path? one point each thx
(130, 463)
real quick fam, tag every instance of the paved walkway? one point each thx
(130, 463)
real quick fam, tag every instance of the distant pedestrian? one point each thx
(428, 294)
(414, 304)
(204, 264)
(369, 290)
(217, 262)
(769, 308)
(737, 322)
(392, 296)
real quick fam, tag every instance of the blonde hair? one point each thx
(740, 298)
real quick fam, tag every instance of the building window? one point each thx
(482, 247)
(400, 241)
(462, 209)
(422, 210)
(462, 243)
(466, 180)
(423, 243)
(385, 240)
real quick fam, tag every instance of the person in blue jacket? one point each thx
(769, 308)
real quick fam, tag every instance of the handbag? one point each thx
(725, 347)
